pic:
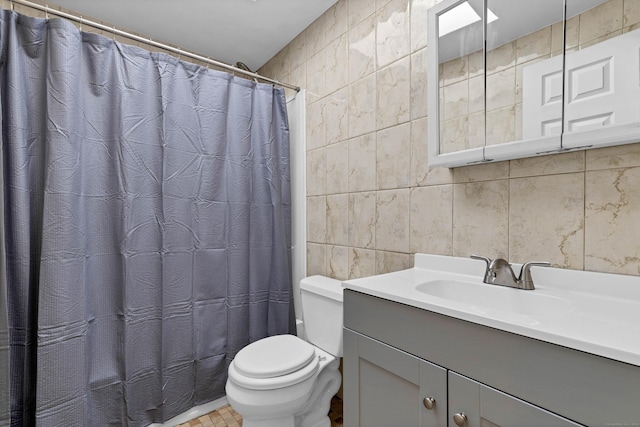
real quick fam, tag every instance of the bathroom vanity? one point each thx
(419, 354)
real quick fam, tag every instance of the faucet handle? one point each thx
(482, 258)
(488, 276)
(525, 274)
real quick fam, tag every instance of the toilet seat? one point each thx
(274, 362)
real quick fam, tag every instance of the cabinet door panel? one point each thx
(384, 386)
(381, 384)
(433, 384)
(488, 407)
(464, 397)
(386, 399)
(504, 410)
(397, 362)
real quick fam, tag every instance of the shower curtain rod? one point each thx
(178, 51)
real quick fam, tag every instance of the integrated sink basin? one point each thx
(598, 313)
(520, 306)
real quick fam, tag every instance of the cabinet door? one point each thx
(384, 386)
(483, 406)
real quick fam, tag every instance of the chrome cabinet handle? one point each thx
(460, 419)
(429, 402)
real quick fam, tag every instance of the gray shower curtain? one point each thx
(144, 229)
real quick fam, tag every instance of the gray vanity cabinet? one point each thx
(386, 386)
(396, 355)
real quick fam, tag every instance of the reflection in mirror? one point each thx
(602, 68)
(543, 83)
(523, 100)
(461, 77)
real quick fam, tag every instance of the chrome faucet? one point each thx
(499, 272)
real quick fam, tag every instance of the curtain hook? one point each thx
(46, 12)
(113, 31)
(12, 9)
(81, 22)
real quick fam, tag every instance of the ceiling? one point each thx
(250, 31)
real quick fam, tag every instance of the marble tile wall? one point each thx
(372, 201)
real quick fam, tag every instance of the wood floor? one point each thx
(227, 417)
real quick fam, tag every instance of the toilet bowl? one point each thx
(284, 381)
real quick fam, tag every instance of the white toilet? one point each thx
(284, 381)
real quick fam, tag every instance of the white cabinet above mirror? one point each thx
(509, 79)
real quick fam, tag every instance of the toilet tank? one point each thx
(322, 311)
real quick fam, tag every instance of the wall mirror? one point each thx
(514, 78)
(460, 82)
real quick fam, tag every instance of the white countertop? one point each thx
(598, 313)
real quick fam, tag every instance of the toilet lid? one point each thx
(274, 356)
